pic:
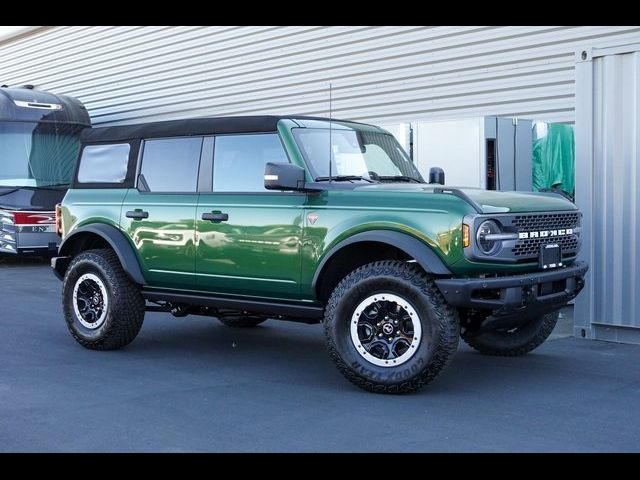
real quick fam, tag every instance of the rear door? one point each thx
(159, 215)
(248, 238)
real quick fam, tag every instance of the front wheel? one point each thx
(388, 328)
(517, 341)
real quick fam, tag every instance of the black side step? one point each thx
(303, 312)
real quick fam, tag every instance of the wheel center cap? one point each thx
(387, 329)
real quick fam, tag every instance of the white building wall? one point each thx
(380, 74)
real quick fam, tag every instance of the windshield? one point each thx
(373, 156)
(37, 155)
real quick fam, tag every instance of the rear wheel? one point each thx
(389, 329)
(517, 341)
(103, 308)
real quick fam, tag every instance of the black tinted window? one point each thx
(171, 165)
(104, 163)
(239, 161)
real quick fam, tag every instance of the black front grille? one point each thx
(546, 221)
(530, 247)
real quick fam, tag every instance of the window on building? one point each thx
(239, 161)
(171, 165)
(104, 163)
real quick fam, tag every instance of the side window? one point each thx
(104, 163)
(171, 164)
(239, 160)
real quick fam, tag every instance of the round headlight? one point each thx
(486, 246)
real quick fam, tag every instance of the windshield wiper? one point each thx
(343, 178)
(397, 178)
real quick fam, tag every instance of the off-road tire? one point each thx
(126, 307)
(518, 342)
(440, 327)
(242, 322)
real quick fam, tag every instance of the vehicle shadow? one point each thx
(15, 260)
(275, 352)
(285, 352)
(208, 339)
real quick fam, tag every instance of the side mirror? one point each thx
(283, 176)
(436, 175)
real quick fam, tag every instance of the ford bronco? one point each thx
(312, 220)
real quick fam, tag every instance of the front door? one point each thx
(159, 216)
(248, 238)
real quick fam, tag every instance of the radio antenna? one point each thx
(330, 121)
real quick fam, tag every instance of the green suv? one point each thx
(309, 220)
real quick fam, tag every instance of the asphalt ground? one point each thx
(191, 384)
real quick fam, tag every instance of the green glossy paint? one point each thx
(268, 247)
(165, 241)
(341, 214)
(517, 202)
(86, 207)
(257, 251)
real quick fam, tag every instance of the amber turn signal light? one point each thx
(466, 239)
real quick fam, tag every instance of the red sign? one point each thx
(34, 218)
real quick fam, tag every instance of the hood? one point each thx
(487, 201)
(491, 201)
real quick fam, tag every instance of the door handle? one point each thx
(215, 217)
(137, 214)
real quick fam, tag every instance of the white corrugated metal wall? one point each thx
(380, 74)
(608, 143)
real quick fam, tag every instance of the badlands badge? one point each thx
(313, 218)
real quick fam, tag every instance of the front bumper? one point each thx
(534, 293)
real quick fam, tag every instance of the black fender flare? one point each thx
(418, 250)
(118, 242)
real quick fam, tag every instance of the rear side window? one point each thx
(171, 165)
(239, 160)
(104, 163)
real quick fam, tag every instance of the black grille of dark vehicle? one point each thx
(530, 247)
(546, 221)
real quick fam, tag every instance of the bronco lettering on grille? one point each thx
(546, 233)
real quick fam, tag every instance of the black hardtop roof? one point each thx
(194, 126)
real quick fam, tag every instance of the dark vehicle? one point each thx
(243, 219)
(39, 141)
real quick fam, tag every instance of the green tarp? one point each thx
(554, 159)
